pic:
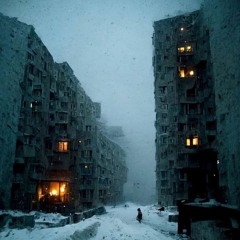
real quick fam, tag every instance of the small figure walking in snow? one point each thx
(139, 216)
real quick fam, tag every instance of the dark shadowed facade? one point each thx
(197, 117)
(185, 110)
(54, 155)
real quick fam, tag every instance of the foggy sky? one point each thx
(108, 44)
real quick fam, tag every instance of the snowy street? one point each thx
(118, 223)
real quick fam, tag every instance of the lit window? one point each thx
(191, 73)
(62, 146)
(189, 48)
(186, 72)
(62, 188)
(181, 29)
(181, 49)
(182, 73)
(192, 141)
(188, 142)
(54, 192)
(88, 128)
(195, 141)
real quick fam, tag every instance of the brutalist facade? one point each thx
(222, 17)
(55, 157)
(202, 69)
(186, 156)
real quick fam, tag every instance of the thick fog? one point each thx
(108, 44)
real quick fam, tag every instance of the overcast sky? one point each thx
(108, 44)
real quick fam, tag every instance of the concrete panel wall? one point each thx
(12, 59)
(223, 17)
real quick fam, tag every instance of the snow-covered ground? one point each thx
(118, 223)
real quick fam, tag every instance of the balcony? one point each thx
(18, 178)
(185, 49)
(86, 186)
(186, 163)
(19, 160)
(29, 151)
(62, 118)
(211, 132)
(36, 176)
(186, 72)
(38, 86)
(86, 199)
(28, 130)
(58, 176)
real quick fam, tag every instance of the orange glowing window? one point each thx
(189, 48)
(182, 73)
(181, 49)
(195, 141)
(188, 142)
(62, 146)
(191, 73)
(186, 72)
(192, 141)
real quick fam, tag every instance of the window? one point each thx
(195, 141)
(31, 68)
(188, 48)
(164, 183)
(163, 139)
(186, 72)
(181, 49)
(30, 56)
(188, 142)
(86, 169)
(182, 175)
(185, 49)
(88, 128)
(163, 174)
(87, 142)
(163, 89)
(182, 73)
(171, 163)
(163, 129)
(164, 116)
(164, 106)
(62, 146)
(88, 153)
(192, 141)
(39, 74)
(64, 105)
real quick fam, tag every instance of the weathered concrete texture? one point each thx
(77, 217)
(21, 221)
(223, 17)
(12, 42)
(42, 104)
(208, 230)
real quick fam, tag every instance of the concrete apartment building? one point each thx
(185, 111)
(223, 18)
(55, 155)
(197, 117)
